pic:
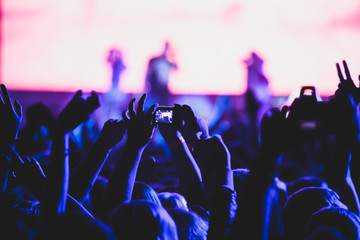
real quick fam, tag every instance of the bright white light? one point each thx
(62, 45)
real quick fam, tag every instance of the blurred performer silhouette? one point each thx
(258, 95)
(157, 76)
(115, 58)
(244, 114)
(113, 100)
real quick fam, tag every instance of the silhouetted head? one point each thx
(170, 200)
(189, 225)
(142, 220)
(341, 221)
(300, 206)
(115, 55)
(325, 233)
(35, 137)
(38, 115)
(306, 181)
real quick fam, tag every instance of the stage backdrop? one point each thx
(63, 45)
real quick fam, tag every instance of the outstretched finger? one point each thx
(27, 159)
(77, 94)
(6, 96)
(2, 101)
(140, 108)
(125, 116)
(347, 72)
(18, 108)
(341, 77)
(285, 111)
(131, 108)
(93, 101)
(150, 113)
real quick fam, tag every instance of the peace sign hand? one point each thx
(346, 85)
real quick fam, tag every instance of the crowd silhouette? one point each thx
(272, 173)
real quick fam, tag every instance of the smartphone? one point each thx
(164, 115)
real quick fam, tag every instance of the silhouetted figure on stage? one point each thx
(258, 95)
(246, 113)
(115, 59)
(157, 76)
(114, 98)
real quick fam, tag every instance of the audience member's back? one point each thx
(301, 205)
(306, 181)
(325, 233)
(189, 225)
(142, 220)
(340, 220)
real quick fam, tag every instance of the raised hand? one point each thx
(346, 122)
(28, 173)
(140, 128)
(139, 124)
(347, 85)
(10, 119)
(112, 133)
(214, 162)
(85, 174)
(194, 128)
(275, 131)
(77, 111)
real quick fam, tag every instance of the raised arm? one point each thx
(57, 181)
(10, 120)
(210, 153)
(84, 175)
(189, 172)
(213, 158)
(343, 171)
(347, 86)
(259, 203)
(140, 128)
(28, 173)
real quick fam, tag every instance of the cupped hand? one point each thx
(77, 111)
(275, 131)
(112, 132)
(28, 172)
(194, 128)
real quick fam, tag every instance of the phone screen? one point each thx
(164, 116)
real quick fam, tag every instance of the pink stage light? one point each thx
(62, 45)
